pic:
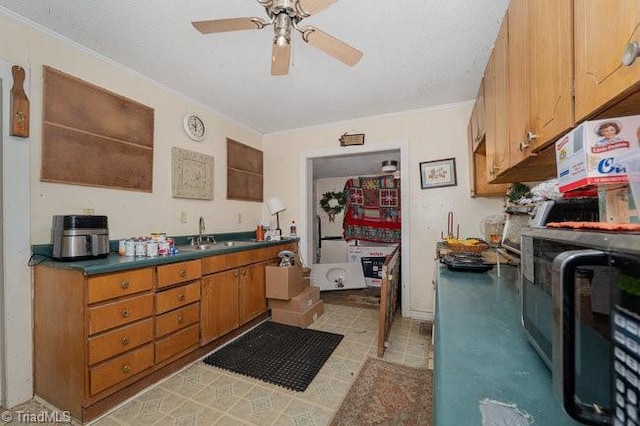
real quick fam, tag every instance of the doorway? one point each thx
(343, 163)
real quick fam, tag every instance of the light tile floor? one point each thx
(204, 395)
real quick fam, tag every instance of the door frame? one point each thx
(307, 203)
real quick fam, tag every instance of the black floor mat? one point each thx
(276, 353)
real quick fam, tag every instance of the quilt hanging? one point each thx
(373, 209)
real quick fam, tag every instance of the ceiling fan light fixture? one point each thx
(285, 15)
(282, 40)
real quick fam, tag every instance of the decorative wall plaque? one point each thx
(351, 139)
(191, 174)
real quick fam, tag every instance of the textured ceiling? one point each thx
(417, 54)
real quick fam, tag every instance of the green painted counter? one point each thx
(113, 262)
(482, 354)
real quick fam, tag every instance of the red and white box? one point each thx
(588, 154)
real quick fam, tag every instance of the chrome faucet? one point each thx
(202, 238)
(201, 229)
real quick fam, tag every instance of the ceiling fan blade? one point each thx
(331, 45)
(309, 7)
(280, 59)
(231, 24)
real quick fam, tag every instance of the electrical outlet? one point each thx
(183, 217)
(88, 211)
(239, 217)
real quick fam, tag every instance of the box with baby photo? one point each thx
(588, 155)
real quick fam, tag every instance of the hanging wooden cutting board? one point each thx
(19, 105)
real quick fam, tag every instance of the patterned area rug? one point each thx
(388, 394)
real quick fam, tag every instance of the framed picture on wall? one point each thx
(438, 173)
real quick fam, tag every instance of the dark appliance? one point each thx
(571, 209)
(465, 262)
(581, 312)
(79, 237)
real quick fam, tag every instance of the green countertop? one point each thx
(113, 262)
(484, 365)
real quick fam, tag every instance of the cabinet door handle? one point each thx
(244, 272)
(523, 146)
(126, 368)
(124, 285)
(125, 341)
(235, 274)
(631, 52)
(181, 297)
(125, 313)
(180, 319)
(531, 137)
(183, 273)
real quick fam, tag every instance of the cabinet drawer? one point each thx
(178, 342)
(121, 368)
(272, 251)
(119, 284)
(177, 319)
(120, 340)
(115, 314)
(232, 260)
(176, 297)
(178, 273)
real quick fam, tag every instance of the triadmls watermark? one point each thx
(41, 417)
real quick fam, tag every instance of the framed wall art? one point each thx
(438, 173)
(191, 174)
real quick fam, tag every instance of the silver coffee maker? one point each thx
(79, 237)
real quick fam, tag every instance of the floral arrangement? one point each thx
(333, 203)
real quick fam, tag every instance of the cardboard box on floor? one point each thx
(298, 303)
(284, 282)
(298, 319)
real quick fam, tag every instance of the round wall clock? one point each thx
(194, 127)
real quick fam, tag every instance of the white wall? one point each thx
(432, 134)
(29, 203)
(130, 213)
(15, 288)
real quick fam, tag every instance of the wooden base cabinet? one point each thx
(219, 305)
(95, 336)
(230, 299)
(253, 299)
(234, 289)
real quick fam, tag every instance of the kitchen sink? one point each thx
(235, 243)
(216, 245)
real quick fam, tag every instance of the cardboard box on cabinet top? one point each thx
(284, 282)
(298, 319)
(298, 303)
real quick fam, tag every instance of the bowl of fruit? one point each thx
(472, 245)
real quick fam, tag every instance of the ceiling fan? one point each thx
(286, 15)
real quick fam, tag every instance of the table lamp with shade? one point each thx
(275, 206)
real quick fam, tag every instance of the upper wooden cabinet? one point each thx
(519, 59)
(496, 105)
(603, 29)
(555, 63)
(477, 120)
(551, 65)
(528, 90)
